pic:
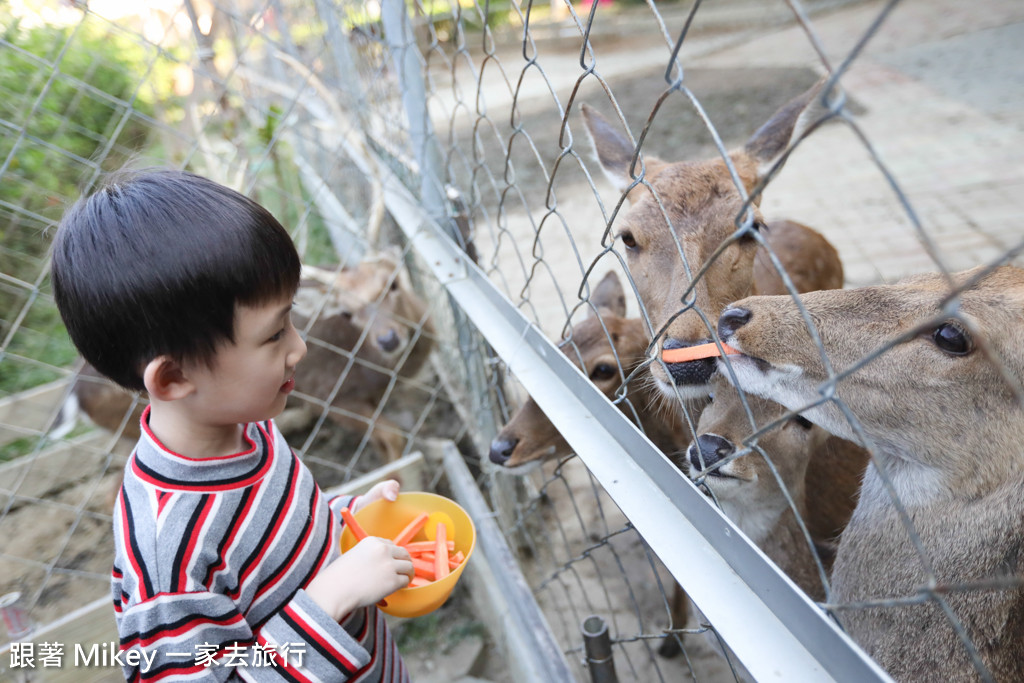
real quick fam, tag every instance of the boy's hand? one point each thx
(387, 490)
(366, 573)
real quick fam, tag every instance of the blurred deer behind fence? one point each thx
(516, 221)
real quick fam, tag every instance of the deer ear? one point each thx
(608, 294)
(613, 148)
(786, 126)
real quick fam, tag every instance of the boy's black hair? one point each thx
(155, 263)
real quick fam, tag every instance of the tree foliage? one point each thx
(69, 107)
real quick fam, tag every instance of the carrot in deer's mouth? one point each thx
(698, 352)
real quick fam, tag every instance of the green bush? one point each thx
(68, 105)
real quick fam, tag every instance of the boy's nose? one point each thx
(298, 348)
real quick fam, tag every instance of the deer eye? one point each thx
(394, 285)
(603, 371)
(628, 239)
(952, 338)
(757, 226)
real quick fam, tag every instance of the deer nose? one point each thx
(731, 320)
(708, 450)
(502, 449)
(388, 342)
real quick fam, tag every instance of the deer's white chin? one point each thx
(687, 392)
(782, 384)
(519, 470)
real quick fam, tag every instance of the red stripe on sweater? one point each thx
(241, 522)
(313, 633)
(290, 497)
(300, 552)
(161, 500)
(193, 540)
(283, 663)
(127, 544)
(183, 628)
(268, 647)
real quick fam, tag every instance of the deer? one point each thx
(745, 485)
(607, 346)
(701, 202)
(363, 325)
(931, 368)
(104, 403)
(372, 329)
(529, 437)
(751, 487)
(688, 209)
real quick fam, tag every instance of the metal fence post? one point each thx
(598, 645)
(401, 43)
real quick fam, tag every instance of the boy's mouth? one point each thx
(288, 386)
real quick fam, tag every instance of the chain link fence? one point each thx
(466, 252)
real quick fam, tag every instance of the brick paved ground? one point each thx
(943, 89)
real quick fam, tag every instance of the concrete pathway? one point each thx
(943, 89)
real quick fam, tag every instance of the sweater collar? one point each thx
(161, 467)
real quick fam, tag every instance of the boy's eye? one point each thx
(277, 337)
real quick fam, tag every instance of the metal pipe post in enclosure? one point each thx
(401, 43)
(598, 645)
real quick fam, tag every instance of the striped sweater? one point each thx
(211, 557)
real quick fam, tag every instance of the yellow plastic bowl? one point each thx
(386, 519)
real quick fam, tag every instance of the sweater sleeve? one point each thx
(336, 503)
(201, 636)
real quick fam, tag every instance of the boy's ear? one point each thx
(165, 379)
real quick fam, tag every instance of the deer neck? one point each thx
(765, 521)
(915, 484)
(788, 547)
(922, 478)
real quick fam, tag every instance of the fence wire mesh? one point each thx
(479, 109)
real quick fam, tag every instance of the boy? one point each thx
(226, 553)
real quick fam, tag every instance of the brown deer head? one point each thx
(682, 213)
(607, 346)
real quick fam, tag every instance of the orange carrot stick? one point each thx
(453, 560)
(406, 534)
(688, 353)
(418, 581)
(425, 546)
(423, 568)
(441, 552)
(352, 524)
